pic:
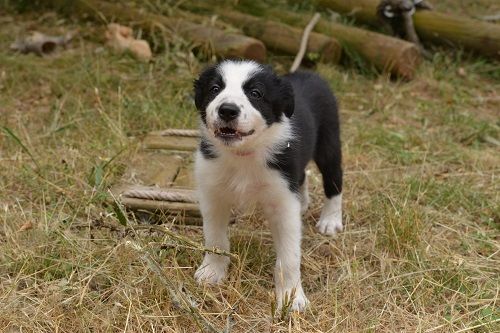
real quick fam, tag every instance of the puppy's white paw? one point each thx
(212, 271)
(299, 302)
(330, 221)
(330, 224)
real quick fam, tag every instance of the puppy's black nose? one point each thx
(228, 111)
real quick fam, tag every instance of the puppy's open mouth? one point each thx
(229, 133)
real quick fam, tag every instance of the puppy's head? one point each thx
(240, 100)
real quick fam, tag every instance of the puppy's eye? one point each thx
(256, 93)
(215, 88)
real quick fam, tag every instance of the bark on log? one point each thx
(221, 43)
(387, 54)
(474, 35)
(282, 37)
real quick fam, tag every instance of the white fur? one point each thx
(331, 216)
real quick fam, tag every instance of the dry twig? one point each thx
(303, 42)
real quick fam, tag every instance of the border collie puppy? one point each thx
(258, 132)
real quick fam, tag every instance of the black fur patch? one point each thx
(207, 149)
(277, 95)
(203, 93)
(316, 131)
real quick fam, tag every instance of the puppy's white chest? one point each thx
(248, 183)
(242, 181)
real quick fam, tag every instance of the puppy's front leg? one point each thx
(286, 227)
(216, 214)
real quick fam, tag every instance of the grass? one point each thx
(421, 249)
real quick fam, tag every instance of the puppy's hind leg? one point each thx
(329, 161)
(216, 214)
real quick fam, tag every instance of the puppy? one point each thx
(258, 132)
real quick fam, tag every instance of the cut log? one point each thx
(431, 26)
(282, 37)
(387, 54)
(221, 43)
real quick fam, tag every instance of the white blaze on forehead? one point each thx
(236, 73)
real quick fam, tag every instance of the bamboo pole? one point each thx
(431, 26)
(221, 43)
(387, 54)
(282, 37)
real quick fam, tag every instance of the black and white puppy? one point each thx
(259, 131)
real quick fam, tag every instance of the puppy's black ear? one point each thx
(198, 93)
(201, 87)
(287, 101)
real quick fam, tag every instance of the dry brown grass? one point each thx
(421, 249)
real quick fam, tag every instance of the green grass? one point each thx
(420, 252)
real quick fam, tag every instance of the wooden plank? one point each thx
(190, 209)
(153, 168)
(178, 143)
(157, 167)
(185, 177)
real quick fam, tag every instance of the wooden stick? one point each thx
(431, 26)
(303, 42)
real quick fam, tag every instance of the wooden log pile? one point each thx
(431, 26)
(283, 37)
(221, 43)
(385, 53)
(282, 30)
